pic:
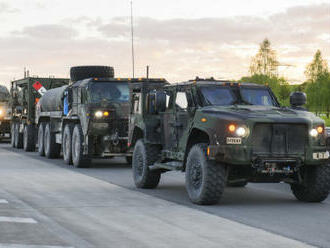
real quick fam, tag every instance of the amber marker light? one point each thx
(106, 114)
(208, 151)
(231, 128)
(319, 129)
(203, 120)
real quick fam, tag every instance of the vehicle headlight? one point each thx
(1, 112)
(98, 114)
(313, 132)
(241, 131)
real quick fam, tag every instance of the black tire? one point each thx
(83, 72)
(18, 137)
(78, 158)
(12, 135)
(52, 149)
(315, 186)
(205, 179)
(67, 144)
(41, 147)
(143, 157)
(239, 184)
(29, 143)
(128, 160)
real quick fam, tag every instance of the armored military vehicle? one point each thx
(224, 133)
(25, 94)
(87, 119)
(5, 112)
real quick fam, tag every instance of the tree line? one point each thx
(264, 70)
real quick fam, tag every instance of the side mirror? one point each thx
(297, 99)
(156, 102)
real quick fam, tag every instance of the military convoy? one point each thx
(219, 133)
(5, 112)
(222, 133)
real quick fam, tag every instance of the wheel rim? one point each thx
(66, 146)
(46, 141)
(40, 139)
(196, 174)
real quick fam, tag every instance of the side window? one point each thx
(181, 100)
(169, 99)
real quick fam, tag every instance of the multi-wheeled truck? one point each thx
(25, 94)
(87, 119)
(5, 112)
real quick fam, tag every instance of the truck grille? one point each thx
(121, 125)
(279, 139)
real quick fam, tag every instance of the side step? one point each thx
(173, 165)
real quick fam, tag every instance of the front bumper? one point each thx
(244, 155)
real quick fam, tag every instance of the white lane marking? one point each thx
(17, 220)
(3, 201)
(32, 246)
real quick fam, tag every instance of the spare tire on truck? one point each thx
(93, 71)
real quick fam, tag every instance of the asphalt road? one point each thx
(100, 207)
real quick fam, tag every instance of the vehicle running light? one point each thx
(313, 132)
(106, 113)
(98, 114)
(241, 131)
(319, 129)
(231, 128)
(1, 112)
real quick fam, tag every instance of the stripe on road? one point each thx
(32, 246)
(17, 220)
(3, 201)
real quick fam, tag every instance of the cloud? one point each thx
(5, 8)
(177, 49)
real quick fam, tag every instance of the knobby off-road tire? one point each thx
(41, 148)
(78, 158)
(18, 137)
(205, 179)
(240, 184)
(67, 144)
(83, 72)
(12, 135)
(145, 155)
(29, 143)
(52, 149)
(315, 186)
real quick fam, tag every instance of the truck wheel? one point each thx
(52, 149)
(205, 180)
(83, 72)
(28, 138)
(143, 157)
(41, 148)
(18, 137)
(239, 184)
(315, 186)
(78, 158)
(12, 135)
(128, 160)
(67, 144)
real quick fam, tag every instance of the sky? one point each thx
(178, 39)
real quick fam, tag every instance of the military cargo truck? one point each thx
(88, 119)
(224, 133)
(25, 94)
(5, 112)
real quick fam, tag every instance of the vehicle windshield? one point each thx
(109, 91)
(219, 96)
(225, 95)
(256, 96)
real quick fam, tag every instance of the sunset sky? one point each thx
(179, 39)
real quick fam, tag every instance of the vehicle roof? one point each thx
(27, 79)
(211, 81)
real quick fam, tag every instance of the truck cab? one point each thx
(225, 133)
(5, 112)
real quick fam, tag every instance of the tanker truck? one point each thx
(25, 94)
(5, 112)
(87, 119)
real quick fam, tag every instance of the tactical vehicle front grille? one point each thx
(121, 125)
(279, 139)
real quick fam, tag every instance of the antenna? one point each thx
(132, 37)
(147, 71)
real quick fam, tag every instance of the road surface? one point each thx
(45, 204)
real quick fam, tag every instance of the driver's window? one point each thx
(181, 100)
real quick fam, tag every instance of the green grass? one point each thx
(327, 121)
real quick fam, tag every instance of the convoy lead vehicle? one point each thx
(222, 133)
